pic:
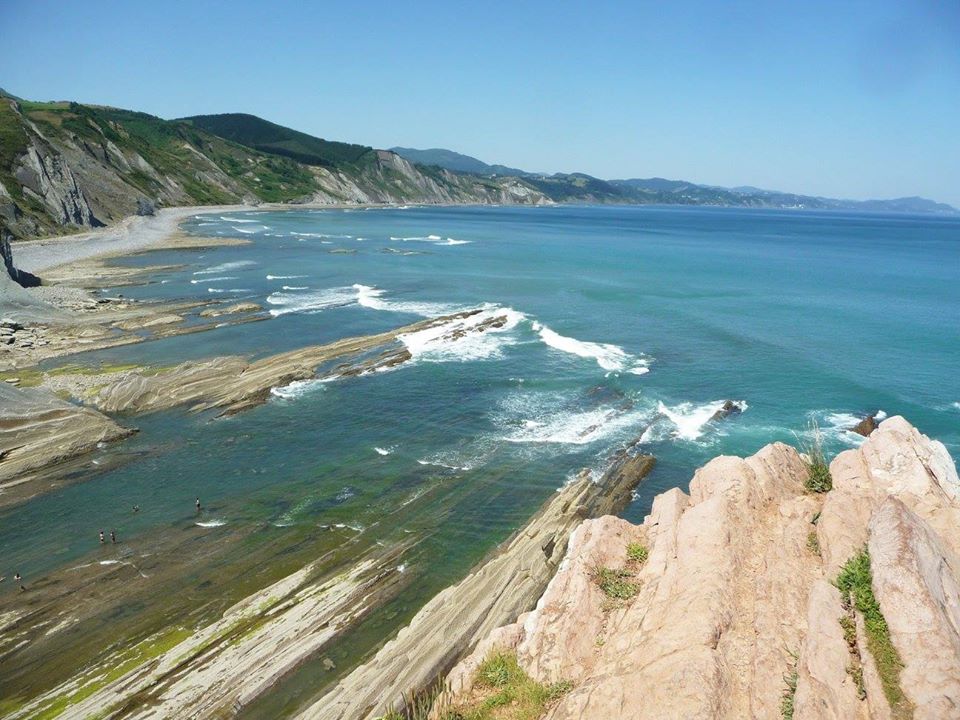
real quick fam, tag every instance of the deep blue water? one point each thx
(621, 321)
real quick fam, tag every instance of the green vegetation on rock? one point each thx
(855, 583)
(503, 691)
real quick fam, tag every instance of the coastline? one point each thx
(138, 233)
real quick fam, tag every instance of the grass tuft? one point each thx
(855, 583)
(818, 469)
(615, 583)
(503, 691)
(637, 553)
(789, 693)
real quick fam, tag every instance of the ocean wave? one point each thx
(434, 239)
(838, 426)
(231, 290)
(532, 417)
(225, 267)
(227, 218)
(213, 279)
(383, 451)
(310, 302)
(474, 337)
(284, 277)
(295, 389)
(320, 235)
(294, 287)
(211, 523)
(689, 420)
(245, 232)
(607, 356)
(372, 298)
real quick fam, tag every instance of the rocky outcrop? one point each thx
(38, 430)
(385, 177)
(458, 618)
(866, 426)
(735, 613)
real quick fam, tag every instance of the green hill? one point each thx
(268, 137)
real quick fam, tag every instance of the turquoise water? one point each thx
(620, 322)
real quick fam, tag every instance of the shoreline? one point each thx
(137, 233)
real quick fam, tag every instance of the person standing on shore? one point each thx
(113, 537)
(198, 504)
(102, 540)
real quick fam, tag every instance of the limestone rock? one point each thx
(735, 614)
(915, 581)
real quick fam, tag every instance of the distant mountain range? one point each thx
(69, 165)
(578, 187)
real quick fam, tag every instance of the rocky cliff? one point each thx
(751, 597)
(66, 165)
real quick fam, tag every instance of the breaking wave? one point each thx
(607, 356)
(225, 267)
(688, 420)
(480, 336)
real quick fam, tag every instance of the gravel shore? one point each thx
(129, 235)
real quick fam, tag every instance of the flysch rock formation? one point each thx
(233, 384)
(502, 587)
(221, 668)
(737, 614)
(37, 430)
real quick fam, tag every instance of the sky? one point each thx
(850, 99)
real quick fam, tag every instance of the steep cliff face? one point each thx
(67, 165)
(754, 598)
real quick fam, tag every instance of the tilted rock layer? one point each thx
(736, 614)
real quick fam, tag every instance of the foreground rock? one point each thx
(733, 614)
(38, 430)
(501, 588)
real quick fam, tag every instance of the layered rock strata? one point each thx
(737, 611)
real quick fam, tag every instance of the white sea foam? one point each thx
(310, 302)
(226, 218)
(213, 279)
(373, 298)
(284, 277)
(211, 523)
(690, 420)
(434, 239)
(295, 287)
(320, 235)
(383, 451)
(537, 417)
(225, 267)
(245, 232)
(607, 356)
(296, 389)
(232, 290)
(463, 339)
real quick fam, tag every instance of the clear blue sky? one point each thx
(848, 99)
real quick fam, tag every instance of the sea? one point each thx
(621, 324)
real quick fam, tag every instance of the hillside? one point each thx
(455, 161)
(579, 187)
(274, 139)
(66, 165)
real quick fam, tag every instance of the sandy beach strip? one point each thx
(131, 234)
(136, 233)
